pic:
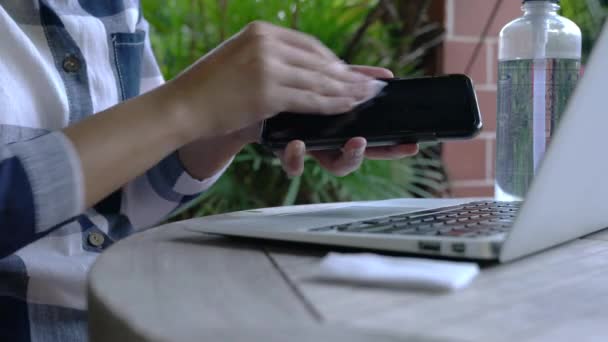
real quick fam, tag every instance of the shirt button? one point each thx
(96, 239)
(71, 64)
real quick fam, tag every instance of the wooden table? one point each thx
(173, 284)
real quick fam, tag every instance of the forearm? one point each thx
(123, 142)
(204, 158)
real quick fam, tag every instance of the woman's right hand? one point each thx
(261, 71)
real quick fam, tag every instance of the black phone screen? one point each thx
(407, 109)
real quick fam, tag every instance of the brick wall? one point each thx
(470, 164)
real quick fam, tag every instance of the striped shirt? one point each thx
(61, 61)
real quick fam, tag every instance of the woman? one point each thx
(86, 160)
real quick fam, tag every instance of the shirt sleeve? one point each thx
(163, 189)
(41, 186)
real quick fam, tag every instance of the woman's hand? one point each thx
(339, 162)
(349, 158)
(261, 71)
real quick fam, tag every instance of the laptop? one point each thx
(568, 199)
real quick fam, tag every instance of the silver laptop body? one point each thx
(568, 198)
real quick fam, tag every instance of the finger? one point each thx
(292, 37)
(294, 57)
(372, 71)
(306, 42)
(391, 152)
(292, 158)
(308, 101)
(341, 163)
(322, 84)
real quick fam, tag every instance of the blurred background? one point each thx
(410, 37)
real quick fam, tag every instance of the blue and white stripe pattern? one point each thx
(61, 61)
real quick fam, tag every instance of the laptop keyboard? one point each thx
(474, 219)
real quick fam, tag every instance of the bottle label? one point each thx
(523, 83)
(532, 96)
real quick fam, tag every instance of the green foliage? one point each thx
(589, 15)
(183, 30)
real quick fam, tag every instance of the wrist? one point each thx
(204, 158)
(249, 135)
(178, 114)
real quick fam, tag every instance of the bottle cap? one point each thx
(553, 1)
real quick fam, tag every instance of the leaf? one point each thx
(292, 191)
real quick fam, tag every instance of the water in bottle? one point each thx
(539, 66)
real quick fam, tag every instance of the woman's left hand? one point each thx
(217, 151)
(349, 158)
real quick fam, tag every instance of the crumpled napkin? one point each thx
(379, 270)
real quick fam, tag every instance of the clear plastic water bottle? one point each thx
(539, 66)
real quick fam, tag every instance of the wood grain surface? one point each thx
(173, 284)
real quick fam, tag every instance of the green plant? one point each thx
(589, 15)
(362, 32)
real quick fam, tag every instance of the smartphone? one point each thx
(408, 110)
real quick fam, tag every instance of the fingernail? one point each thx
(301, 149)
(374, 88)
(357, 153)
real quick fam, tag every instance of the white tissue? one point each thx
(378, 270)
